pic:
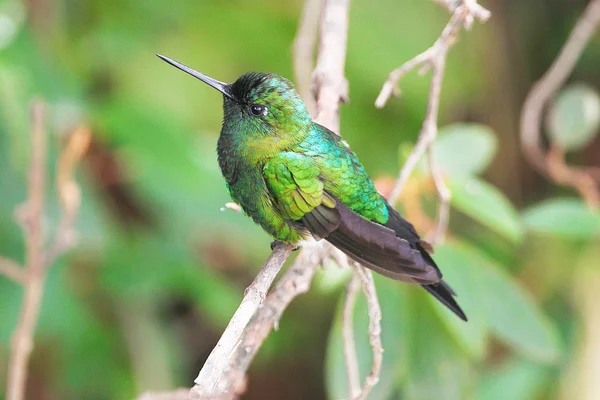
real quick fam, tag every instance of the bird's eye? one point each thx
(258, 110)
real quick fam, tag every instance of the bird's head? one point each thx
(257, 103)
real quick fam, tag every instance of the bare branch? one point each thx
(475, 10)
(31, 218)
(330, 80)
(541, 93)
(374, 310)
(304, 51)
(12, 270)
(350, 358)
(179, 394)
(295, 282)
(69, 193)
(438, 234)
(464, 11)
(215, 366)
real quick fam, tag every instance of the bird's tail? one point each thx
(444, 293)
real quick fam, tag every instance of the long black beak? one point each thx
(220, 86)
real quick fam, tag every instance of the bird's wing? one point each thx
(297, 191)
(294, 183)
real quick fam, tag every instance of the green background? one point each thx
(158, 270)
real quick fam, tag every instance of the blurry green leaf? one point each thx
(487, 205)
(438, 367)
(462, 273)
(574, 117)
(515, 380)
(569, 218)
(453, 140)
(395, 325)
(511, 313)
(331, 278)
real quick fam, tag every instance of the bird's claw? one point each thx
(274, 243)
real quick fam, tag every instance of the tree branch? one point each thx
(295, 282)
(329, 76)
(539, 96)
(464, 11)
(68, 191)
(350, 358)
(30, 216)
(374, 310)
(12, 270)
(179, 394)
(218, 361)
(303, 51)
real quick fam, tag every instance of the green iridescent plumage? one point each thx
(297, 179)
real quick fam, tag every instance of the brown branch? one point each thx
(545, 88)
(30, 216)
(350, 358)
(217, 363)
(179, 394)
(434, 58)
(438, 235)
(68, 191)
(374, 311)
(295, 282)
(475, 10)
(330, 80)
(304, 50)
(12, 270)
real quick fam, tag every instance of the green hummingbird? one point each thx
(296, 179)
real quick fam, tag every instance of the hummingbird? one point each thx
(296, 179)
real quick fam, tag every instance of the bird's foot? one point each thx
(274, 243)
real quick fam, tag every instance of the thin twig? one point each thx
(179, 394)
(210, 375)
(350, 358)
(30, 215)
(303, 51)
(31, 219)
(330, 80)
(295, 282)
(438, 234)
(68, 191)
(544, 89)
(464, 12)
(374, 311)
(12, 270)
(475, 10)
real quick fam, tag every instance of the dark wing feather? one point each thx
(373, 245)
(394, 250)
(321, 221)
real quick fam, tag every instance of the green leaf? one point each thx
(569, 218)
(450, 148)
(516, 379)
(461, 272)
(510, 313)
(574, 116)
(487, 205)
(438, 367)
(395, 325)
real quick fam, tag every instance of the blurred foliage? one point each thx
(159, 270)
